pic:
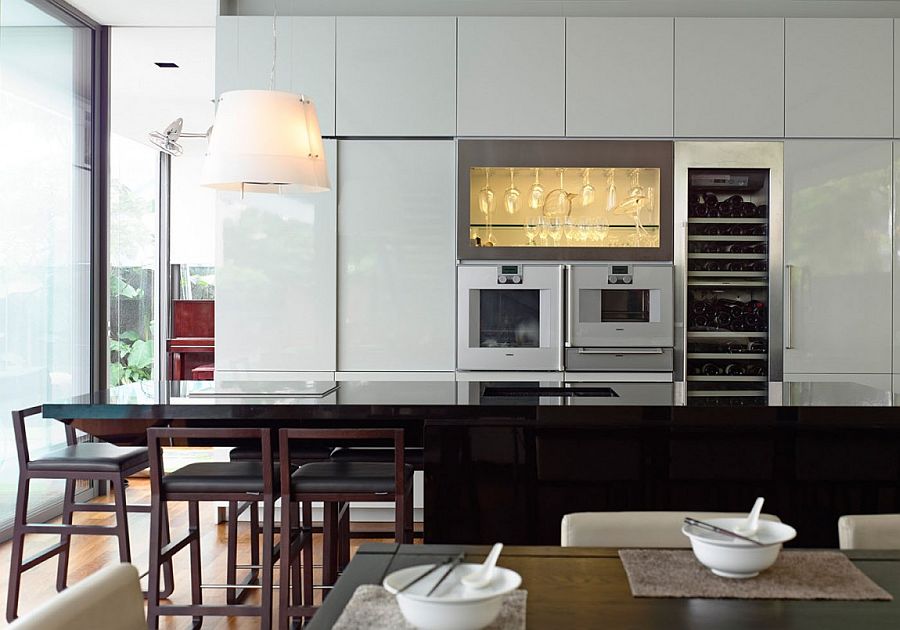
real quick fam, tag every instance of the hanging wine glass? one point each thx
(611, 201)
(536, 193)
(486, 195)
(587, 190)
(511, 196)
(558, 202)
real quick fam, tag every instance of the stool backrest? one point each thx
(158, 437)
(394, 436)
(18, 420)
(110, 599)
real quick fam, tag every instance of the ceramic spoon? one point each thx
(482, 576)
(751, 524)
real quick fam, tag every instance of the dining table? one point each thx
(577, 587)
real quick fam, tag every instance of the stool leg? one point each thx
(254, 541)
(196, 573)
(400, 518)
(168, 569)
(157, 513)
(62, 568)
(296, 577)
(410, 526)
(286, 563)
(330, 535)
(268, 561)
(122, 519)
(306, 523)
(231, 553)
(344, 551)
(15, 561)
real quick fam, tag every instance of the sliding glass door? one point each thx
(46, 169)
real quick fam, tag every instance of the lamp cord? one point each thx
(274, 43)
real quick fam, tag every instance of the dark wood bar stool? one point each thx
(96, 461)
(336, 484)
(232, 482)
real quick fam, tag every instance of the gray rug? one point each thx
(373, 608)
(795, 575)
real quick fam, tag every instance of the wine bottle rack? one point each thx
(726, 359)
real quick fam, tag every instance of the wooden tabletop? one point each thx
(587, 588)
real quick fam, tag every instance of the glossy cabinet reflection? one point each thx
(304, 61)
(396, 278)
(275, 279)
(611, 94)
(838, 78)
(512, 76)
(396, 76)
(737, 91)
(837, 253)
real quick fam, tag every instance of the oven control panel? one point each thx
(620, 274)
(509, 274)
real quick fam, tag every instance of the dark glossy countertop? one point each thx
(186, 399)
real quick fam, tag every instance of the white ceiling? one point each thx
(144, 97)
(149, 12)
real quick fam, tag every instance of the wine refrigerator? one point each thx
(728, 253)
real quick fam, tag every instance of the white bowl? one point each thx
(452, 606)
(733, 558)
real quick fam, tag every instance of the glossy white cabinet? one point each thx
(837, 389)
(512, 76)
(304, 62)
(613, 86)
(896, 262)
(729, 77)
(276, 278)
(396, 267)
(396, 76)
(837, 253)
(839, 78)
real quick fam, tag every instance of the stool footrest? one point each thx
(46, 554)
(174, 547)
(188, 610)
(71, 530)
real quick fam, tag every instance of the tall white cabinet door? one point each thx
(396, 76)
(304, 61)
(895, 252)
(729, 77)
(396, 264)
(275, 279)
(614, 88)
(512, 76)
(839, 77)
(837, 255)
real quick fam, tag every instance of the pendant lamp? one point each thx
(265, 141)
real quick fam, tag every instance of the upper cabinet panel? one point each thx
(512, 76)
(396, 76)
(729, 77)
(839, 78)
(896, 82)
(614, 87)
(304, 62)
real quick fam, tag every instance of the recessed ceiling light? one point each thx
(166, 64)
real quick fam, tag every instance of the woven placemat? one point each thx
(373, 608)
(795, 575)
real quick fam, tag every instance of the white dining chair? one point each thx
(110, 599)
(634, 529)
(869, 531)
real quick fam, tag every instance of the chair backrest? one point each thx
(869, 531)
(634, 529)
(110, 599)
(332, 436)
(158, 437)
(18, 420)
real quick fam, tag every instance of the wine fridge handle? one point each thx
(789, 307)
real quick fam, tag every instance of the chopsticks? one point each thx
(713, 528)
(453, 565)
(450, 560)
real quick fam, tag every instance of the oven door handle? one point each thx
(620, 350)
(570, 305)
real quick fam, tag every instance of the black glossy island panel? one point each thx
(507, 465)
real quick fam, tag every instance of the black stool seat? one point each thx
(414, 456)
(299, 454)
(92, 457)
(347, 477)
(215, 477)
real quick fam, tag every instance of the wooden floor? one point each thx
(90, 553)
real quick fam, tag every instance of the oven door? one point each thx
(509, 321)
(620, 306)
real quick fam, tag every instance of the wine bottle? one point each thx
(734, 369)
(711, 369)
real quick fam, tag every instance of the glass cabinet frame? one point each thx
(550, 154)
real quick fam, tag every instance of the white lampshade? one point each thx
(265, 141)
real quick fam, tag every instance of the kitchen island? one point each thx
(505, 461)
